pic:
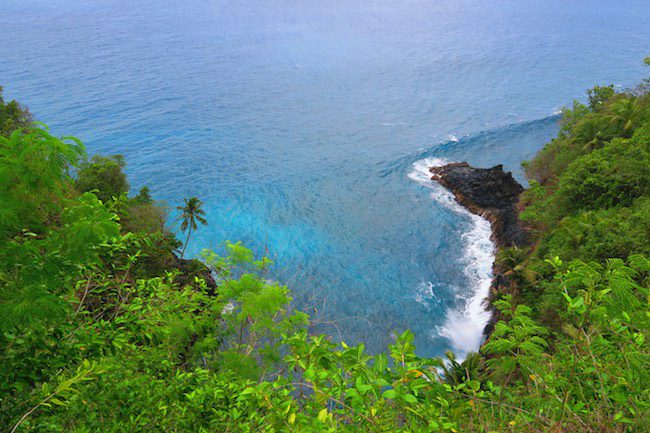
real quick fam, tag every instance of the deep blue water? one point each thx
(299, 123)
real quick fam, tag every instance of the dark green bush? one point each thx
(103, 175)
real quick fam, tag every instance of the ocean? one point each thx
(307, 127)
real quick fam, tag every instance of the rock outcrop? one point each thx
(489, 192)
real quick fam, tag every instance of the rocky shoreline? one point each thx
(492, 194)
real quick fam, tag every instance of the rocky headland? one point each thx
(493, 194)
(490, 193)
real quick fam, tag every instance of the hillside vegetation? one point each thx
(105, 329)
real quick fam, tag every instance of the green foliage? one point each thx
(104, 176)
(139, 216)
(599, 95)
(34, 178)
(518, 342)
(589, 200)
(612, 176)
(601, 234)
(456, 373)
(577, 131)
(144, 196)
(13, 116)
(590, 185)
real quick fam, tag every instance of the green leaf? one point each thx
(410, 398)
(322, 415)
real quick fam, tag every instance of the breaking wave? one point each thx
(464, 324)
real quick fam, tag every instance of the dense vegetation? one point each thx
(104, 327)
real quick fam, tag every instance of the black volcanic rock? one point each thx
(489, 192)
(190, 268)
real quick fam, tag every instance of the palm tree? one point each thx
(626, 114)
(455, 373)
(191, 214)
(590, 133)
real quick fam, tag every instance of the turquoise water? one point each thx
(306, 127)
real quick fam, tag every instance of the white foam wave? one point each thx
(421, 174)
(452, 137)
(425, 295)
(464, 325)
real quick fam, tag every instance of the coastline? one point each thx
(491, 194)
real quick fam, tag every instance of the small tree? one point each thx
(599, 95)
(191, 214)
(104, 175)
(13, 116)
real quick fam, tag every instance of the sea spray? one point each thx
(463, 325)
(425, 295)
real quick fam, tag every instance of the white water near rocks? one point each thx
(463, 325)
